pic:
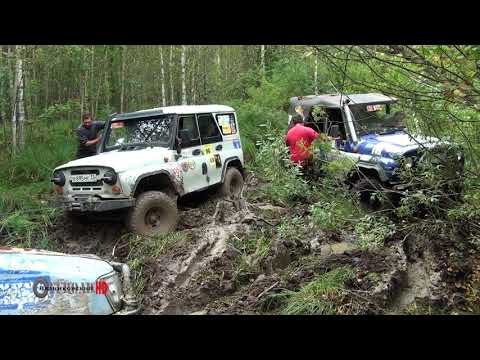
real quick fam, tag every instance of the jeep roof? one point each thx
(181, 109)
(333, 100)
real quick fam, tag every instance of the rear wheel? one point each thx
(154, 213)
(232, 185)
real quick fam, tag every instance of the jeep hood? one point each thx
(394, 144)
(122, 160)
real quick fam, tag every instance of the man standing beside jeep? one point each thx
(299, 139)
(88, 136)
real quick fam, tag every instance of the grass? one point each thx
(25, 188)
(142, 247)
(320, 296)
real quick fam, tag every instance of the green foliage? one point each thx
(372, 231)
(321, 296)
(292, 227)
(50, 145)
(58, 112)
(469, 209)
(335, 212)
(273, 165)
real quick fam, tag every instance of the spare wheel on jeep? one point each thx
(232, 185)
(154, 213)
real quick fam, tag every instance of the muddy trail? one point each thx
(230, 259)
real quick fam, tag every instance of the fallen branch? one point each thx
(267, 290)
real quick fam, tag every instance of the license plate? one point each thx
(84, 178)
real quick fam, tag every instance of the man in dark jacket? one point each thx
(88, 136)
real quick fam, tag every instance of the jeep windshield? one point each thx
(376, 119)
(138, 133)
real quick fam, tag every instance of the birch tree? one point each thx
(170, 74)
(184, 87)
(162, 74)
(20, 102)
(122, 90)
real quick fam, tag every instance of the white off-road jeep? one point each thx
(149, 158)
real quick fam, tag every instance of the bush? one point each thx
(273, 165)
(372, 231)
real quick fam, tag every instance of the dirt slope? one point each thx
(208, 271)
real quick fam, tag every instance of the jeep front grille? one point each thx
(89, 184)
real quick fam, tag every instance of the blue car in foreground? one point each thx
(376, 139)
(45, 282)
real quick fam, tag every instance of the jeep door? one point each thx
(192, 162)
(212, 146)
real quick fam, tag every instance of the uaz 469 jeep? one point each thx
(149, 158)
(375, 138)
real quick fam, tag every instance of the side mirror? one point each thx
(334, 131)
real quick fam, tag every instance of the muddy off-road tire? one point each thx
(365, 187)
(154, 213)
(232, 185)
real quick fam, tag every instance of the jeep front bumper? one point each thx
(94, 204)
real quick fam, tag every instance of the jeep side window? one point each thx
(335, 118)
(209, 131)
(188, 122)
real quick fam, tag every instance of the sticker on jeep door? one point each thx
(207, 149)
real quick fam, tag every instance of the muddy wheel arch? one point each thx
(233, 161)
(157, 181)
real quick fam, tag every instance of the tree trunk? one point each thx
(184, 87)
(315, 75)
(91, 79)
(193, 95)
(14, 113)
(11, 76)
(20, 104)
(3, 113)
(122, 91)
(262, 57)
(170, 75)
(98, 82)
(162, 74)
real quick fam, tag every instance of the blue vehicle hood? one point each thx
(391, 145)
(19, 268)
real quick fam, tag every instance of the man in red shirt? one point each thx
(298, 139)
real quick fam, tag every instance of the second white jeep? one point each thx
(149, 158)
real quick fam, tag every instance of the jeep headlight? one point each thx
(58, 178)
(110, 177)
(114, 292)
